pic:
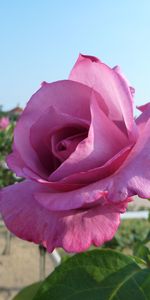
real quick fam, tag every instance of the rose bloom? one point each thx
(4, 122)
(82, 155)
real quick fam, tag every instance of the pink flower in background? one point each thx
(4, 122)
(82, 155)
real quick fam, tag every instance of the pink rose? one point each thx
(4, 122)
(83, 156)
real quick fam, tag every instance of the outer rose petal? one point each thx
(144, 117)
(118, 70)
(144, 107)
(74, 230)
(15, 162)
(133, 177)
(111, 86)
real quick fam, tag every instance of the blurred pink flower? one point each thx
(4, 122)
(83, 156)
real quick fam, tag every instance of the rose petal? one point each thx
(65, 147)
(118, 70)
(73, 230)
(144, 117)
(79, 180)
(54, 186)
(15, 162)
(112, 88)
(98, 173)
(68, 97)
(104, 141)
(133, 177)
(47, 125)
(144, 107)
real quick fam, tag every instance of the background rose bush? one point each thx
(7, 125)
(82, 155)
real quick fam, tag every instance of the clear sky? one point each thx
(40, 40)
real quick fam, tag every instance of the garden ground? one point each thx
(20, 267)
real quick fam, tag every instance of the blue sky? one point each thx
(40, 40)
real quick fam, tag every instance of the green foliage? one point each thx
(28, 292)
(98, 274)
(141, 249)
(6, 139)
(130, 233)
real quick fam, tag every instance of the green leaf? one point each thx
(149, 214)
(140, 250)
(28, 292)
(147, 239)
(114, 243)
(97, 275)
(141, 262)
